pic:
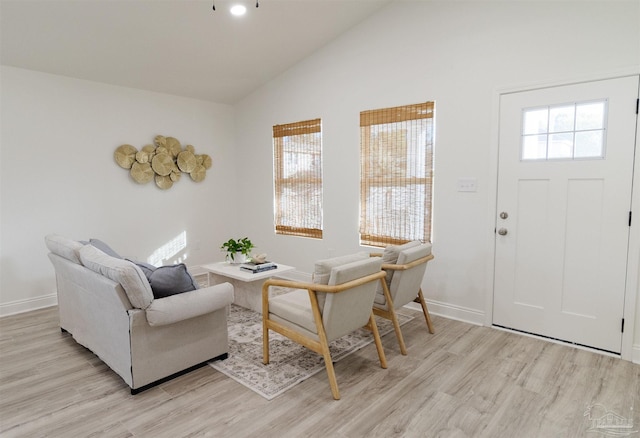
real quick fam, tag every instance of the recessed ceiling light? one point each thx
(238, 10)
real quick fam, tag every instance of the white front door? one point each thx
(563, 210)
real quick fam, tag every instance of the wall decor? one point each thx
(163, 161)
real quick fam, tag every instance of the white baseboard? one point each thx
(445, 310)
(451, 311)
(27, 305)
(635, 353)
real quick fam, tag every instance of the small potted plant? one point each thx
(237, 250)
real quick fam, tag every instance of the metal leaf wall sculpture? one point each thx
(163, 161)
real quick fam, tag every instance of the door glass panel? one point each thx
(564, 132)
(560, 145)
(590, 116)
(589, 144)
(561, 118)
(536, 121)
(534, 147)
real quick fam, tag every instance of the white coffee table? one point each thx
(247, 285)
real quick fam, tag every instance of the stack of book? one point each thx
(258, 267)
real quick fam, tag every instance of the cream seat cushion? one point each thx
(295, 307)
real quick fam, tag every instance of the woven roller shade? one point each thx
(397, 114)
(298, 128)
(298, 178)
(396, 170)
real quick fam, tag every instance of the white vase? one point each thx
(238, 257)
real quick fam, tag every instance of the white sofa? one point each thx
(107, 305)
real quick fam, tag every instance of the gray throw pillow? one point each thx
(171, 280)
(145, 267)
(104, 248)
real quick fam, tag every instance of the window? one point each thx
(570, 131)
(297, 149)
(396, 173)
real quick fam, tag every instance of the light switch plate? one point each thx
(467, 185)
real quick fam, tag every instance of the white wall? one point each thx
(458, 54)
(58, 175)
(58, 136)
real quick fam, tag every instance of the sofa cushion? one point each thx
(171, 280)
(104, 248)
(147, 269)
(132, 279)
(178, 308)
(64, 247)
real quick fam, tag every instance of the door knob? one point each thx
(502, 231)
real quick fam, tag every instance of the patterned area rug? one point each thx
(290, 363)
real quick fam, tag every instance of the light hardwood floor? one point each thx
(463, 381)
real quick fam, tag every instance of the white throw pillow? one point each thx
(131, 277)
(67, 248)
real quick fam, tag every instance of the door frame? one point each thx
(629, 351)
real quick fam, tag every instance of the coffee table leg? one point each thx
(247, 294)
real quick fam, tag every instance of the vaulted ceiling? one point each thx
(180, 47)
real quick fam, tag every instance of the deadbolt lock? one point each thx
(504, 215)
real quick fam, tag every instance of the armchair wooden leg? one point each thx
(396, 327)
(328, 363)
(390, 314)
(265, 344)
(326, 354)
(376, 337)
(420, 299)
(265, 327)
(324, 345)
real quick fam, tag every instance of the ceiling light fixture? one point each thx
(240, 10)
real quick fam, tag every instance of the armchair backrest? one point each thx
(322, 270)
(350, 309)
(406, 283)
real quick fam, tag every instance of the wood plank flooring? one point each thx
(463, 381)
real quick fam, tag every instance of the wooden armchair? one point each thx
(405, 266)
(315, 314)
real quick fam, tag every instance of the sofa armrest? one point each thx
(187, 305)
